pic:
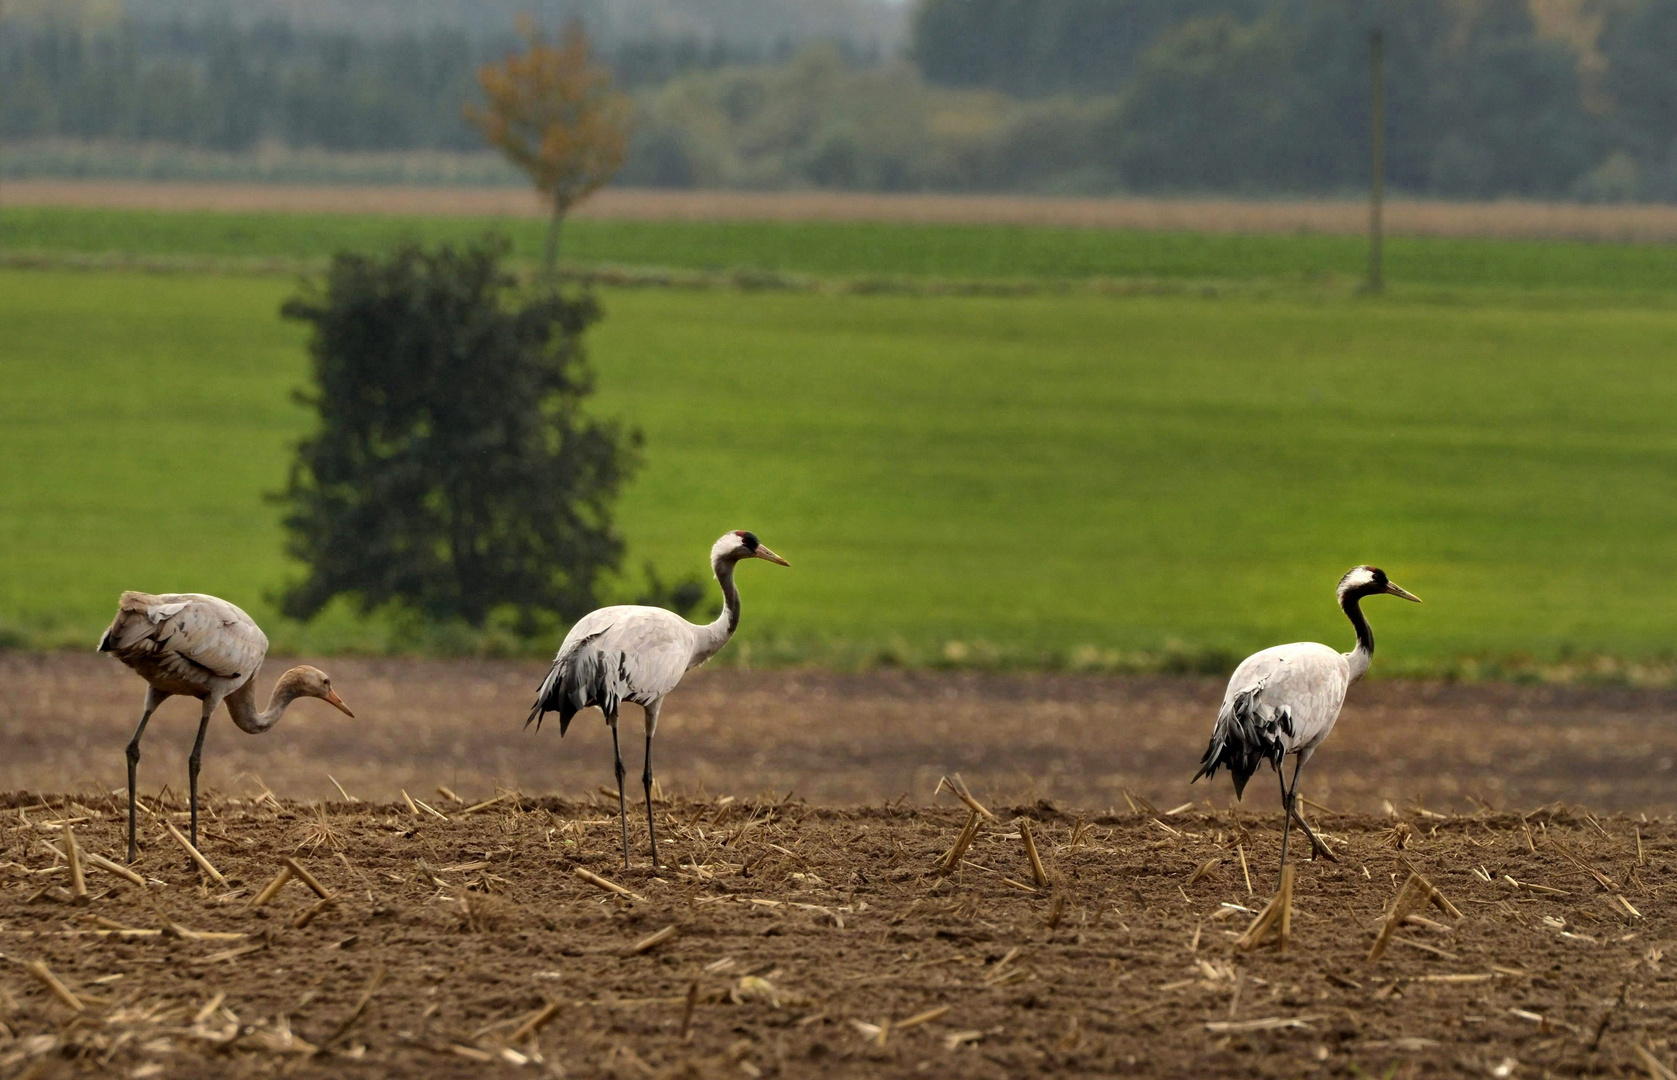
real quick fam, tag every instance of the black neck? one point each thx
(1351, 604)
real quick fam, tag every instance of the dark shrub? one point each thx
(454, 471)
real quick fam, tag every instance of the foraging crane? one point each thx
(1285, 700)
(639, 654)
(203, 647)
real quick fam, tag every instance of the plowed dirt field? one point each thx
(838, 739)
(815, 930)
(790, 940)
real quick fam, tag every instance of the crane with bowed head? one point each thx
(204, 647)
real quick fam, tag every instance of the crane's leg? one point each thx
(193, 761)
(154, 698)
(1316, 845)
(1289, 800)
(622, 806)
(646, 780)
(1287, 804)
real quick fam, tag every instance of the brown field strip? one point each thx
(784, 939)
(1080, 741)
(1509, 219)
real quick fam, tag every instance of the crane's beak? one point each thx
(333, 699)
(764, 553)
(1394, 590)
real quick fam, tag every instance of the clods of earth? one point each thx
(441, 937)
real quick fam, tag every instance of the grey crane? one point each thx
(203, 647)
(1285, 700)
(639, 654)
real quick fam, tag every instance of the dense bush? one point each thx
(454, 472)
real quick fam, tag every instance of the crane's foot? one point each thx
(1317, 848)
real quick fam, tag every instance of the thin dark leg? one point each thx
(1317, 847)
(622, 806)
(1287, 797)
(646, 782)
(133, 769)
(192, 766)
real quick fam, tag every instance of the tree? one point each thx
(454, 471)
(552, 112)
(1214, 105)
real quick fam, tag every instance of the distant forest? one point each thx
(1486, 98)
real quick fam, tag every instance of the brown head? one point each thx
(306, 681)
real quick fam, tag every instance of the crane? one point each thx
(639, 654)
(1284, 700)
(203, 647)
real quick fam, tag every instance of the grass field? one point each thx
(1045, 477)
(868, 250)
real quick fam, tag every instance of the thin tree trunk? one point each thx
(550, 254)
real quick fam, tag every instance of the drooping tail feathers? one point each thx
(580, 677)
(1247, 734)
(132, 624)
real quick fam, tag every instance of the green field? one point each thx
(866, 250)
(1052, 478)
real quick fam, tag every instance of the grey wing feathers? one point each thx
(614, 655)
(1279, 701)
(1248, 732)
(572, 684)
(187, 638)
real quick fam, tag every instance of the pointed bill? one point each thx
(1393, 589)
(763, 552)
(332, 698)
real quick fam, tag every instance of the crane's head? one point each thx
(1361, 581)
(306, 681)
(738, 545)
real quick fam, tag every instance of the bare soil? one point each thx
(802, 835)
(844, 739)
(1514, 219)
(811, 941)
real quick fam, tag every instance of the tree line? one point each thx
(1485, 99)
(218, 86)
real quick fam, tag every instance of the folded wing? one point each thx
(188, 643)
(614, 655)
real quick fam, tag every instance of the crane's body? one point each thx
(195, 645)
(1286, 699)
(639, 654)
(624, 653)
(1283, 700)
(189, 644)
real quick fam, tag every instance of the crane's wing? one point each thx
(613, 655)
(1278, 701)
(188, 638)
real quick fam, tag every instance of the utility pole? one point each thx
(1377, 163)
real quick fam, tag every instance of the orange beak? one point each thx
(332, 698)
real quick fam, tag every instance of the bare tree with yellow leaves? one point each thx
(553, 111)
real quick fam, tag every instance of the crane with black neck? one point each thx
(639, 654)
(1285, 700)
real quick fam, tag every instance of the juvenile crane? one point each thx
(203, 647)
(1285, 700)
(639, 654)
